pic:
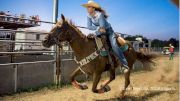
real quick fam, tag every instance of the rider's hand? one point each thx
(91, 36)
(102, 30)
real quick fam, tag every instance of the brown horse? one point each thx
(83, 47)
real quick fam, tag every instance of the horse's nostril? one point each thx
(44, 43)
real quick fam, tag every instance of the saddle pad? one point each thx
(104, 52)
(124, 48)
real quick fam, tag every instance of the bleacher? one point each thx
(8, 21)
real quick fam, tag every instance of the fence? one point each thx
(21, 59)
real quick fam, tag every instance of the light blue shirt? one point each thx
(94, 23)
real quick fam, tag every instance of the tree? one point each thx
(174, 42)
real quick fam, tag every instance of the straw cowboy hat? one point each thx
(91, 3)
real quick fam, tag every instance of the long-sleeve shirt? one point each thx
(98, 21)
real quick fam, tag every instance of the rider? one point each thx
(97, 20)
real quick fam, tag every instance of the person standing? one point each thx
(171, 50)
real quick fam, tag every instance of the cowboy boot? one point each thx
(124, 68)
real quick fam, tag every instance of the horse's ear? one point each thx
(62, 17)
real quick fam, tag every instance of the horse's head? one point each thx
(58, 34)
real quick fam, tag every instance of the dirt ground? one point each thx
(160, 84)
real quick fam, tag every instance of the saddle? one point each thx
(103, 44)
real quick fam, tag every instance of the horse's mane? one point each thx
(77, 29)
(71, 24)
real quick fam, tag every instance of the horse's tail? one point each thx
(146, 58)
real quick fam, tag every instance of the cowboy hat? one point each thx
(91, 3)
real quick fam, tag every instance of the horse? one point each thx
(65, 31)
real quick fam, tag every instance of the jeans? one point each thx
(116, 49)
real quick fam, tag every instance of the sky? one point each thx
(154, 19)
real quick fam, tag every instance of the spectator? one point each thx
(8, 15)
(37, 19)
(22, 16)
(171, 50)
(15, 18)
(30, 19)
(34, 19)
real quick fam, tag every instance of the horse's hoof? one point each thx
(76, 85)
(106, 88)
(122, 94)
(84, 86)
(100, 91)
(121, 98)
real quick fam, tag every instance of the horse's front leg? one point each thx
(74, 82)
(96, 79)
(106, 82)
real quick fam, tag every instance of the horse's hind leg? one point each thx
(127, 81)
(74, 82)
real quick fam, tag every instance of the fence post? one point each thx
(15, 77)
(55, 15)
(58, 65)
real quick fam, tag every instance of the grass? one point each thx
(50, 86)
(39, 88)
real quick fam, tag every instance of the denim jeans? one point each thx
(116, 49)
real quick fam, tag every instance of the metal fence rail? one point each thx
(23, 31)
(22, 63)
(27, 52)
(10, 41)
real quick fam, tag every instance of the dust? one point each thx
(168, 70)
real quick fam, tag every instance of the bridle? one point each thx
(56, 38)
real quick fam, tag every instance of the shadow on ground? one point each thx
(135, 98)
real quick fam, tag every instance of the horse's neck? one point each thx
(81, 46)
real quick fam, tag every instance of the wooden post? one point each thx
(58, 65)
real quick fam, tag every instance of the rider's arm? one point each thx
(102, 25)
(89, 24)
